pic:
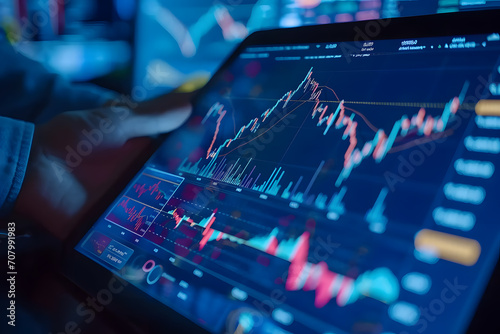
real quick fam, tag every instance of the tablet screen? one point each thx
(322, 188)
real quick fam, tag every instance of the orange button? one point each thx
(448, 246)
(488, 108)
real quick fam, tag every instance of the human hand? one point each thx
(78, 155)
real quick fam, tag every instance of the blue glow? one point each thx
(417, 283)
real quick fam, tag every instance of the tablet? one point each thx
(332, 179)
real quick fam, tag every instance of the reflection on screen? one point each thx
(323, 188)
(179, 40)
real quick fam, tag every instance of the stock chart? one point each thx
(143, 202)
(320, 190)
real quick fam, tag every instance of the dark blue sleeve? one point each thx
(15, 145)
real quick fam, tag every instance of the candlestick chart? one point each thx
(331, 121)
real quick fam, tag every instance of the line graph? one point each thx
(328, 116)
(189, 38)
(379, 284)
(132, 215)
(144, 200)
(437, 105)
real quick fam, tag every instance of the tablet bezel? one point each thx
(142, 309)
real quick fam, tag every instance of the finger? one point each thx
(164, 103)
(141, 125)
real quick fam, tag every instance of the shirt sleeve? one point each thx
(15, 145)
(28, 91)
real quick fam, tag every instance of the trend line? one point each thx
(189, 39)
(377, 148)
(419, 123)
(331, 89)
(464, 106)
(420, 141)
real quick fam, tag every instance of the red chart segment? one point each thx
(380, 283)
(154, 187)
(143, 200)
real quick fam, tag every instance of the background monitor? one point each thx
(176, 41)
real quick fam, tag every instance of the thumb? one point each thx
(142, 125)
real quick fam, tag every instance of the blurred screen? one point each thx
(180, 40)
(82, 40)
